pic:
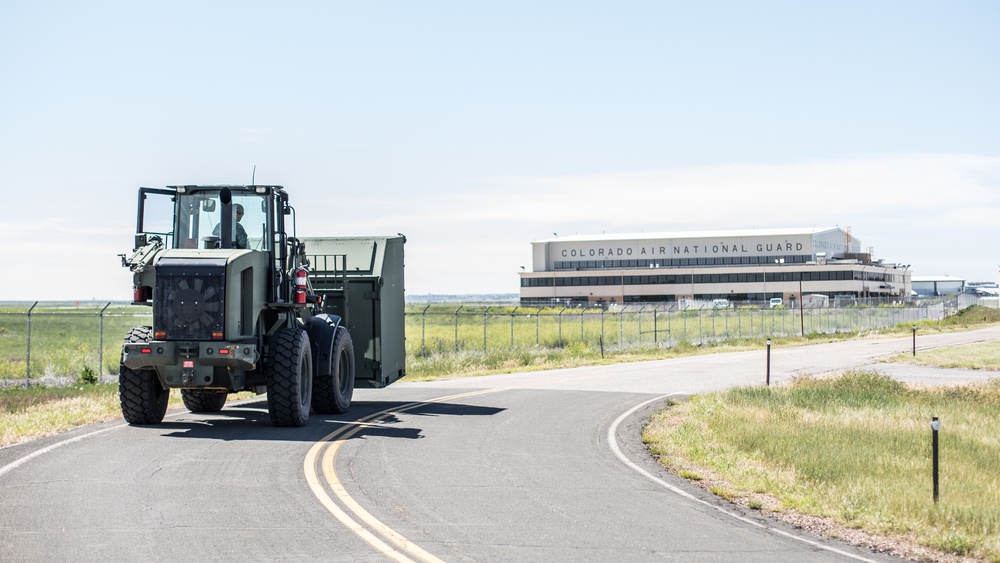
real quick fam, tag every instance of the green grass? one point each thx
(65, 339)
(439, 359)
(530, 358)
(855, 449)
(441, 330)
(981, 355)
(968, 317)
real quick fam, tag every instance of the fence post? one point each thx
(685, 319)
(456, 326)
(100, 353)
(701, 329)
(27, 369)
(486, 312)
(656, 339)
(670, 334)
(512, 326)
(561, 343)
(639, 316)
(621, 332)
(423, 330)
(602, 332)
(537, 314)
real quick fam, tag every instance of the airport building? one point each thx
(816, 265)
(936, 286)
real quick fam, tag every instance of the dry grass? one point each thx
(56, 417)
(35, 412)
(531, 358)
(854, 450)
(982, 355)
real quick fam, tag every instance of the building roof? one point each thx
(695, 234)
(925, 279)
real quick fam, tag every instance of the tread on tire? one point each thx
(289, 377)
(203, 401)
(143, 400)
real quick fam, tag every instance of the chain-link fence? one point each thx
(438, 329)
(47, 341)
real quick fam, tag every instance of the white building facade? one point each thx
(754, 265)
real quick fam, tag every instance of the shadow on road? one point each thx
(250, 421)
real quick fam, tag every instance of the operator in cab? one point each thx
(241, 240)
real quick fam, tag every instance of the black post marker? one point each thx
(935, 426)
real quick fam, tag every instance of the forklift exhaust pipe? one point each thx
(226, 227)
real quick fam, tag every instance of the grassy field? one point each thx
(442, 330)
(527, 357)
(65, 339)
(855, 450)
(982, 355)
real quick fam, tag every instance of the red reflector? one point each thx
(188, 364)
(146, 350)
(160, 335)
(217, 336)
(223, 350)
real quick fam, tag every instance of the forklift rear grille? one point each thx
(190, 300)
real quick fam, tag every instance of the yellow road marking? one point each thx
(313, 480)
(332, 442)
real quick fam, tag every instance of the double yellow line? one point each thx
(360, 521)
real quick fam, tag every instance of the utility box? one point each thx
(361, 280)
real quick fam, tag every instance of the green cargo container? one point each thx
(361, 279)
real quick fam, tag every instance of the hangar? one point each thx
(741, 265)
(935, 286)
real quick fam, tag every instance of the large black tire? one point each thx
(332, 392)
(289, 377)
(143, 399)
(203, 401)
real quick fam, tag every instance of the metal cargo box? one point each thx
(361, 279)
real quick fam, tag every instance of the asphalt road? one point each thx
(527, 467)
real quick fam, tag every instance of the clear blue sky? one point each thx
(475, 128)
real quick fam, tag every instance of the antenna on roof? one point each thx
(253, 175)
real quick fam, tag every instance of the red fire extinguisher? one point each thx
(300, 286)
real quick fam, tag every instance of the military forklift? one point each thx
(239, 305)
